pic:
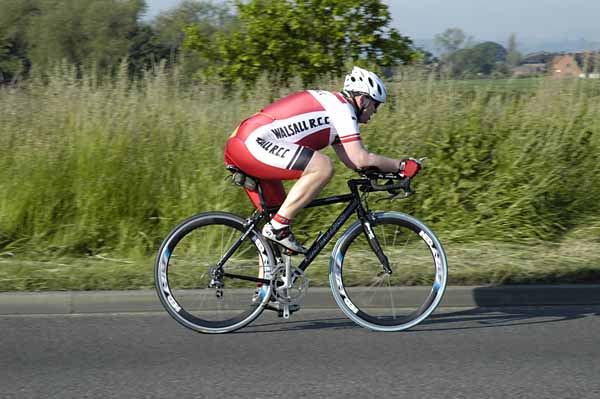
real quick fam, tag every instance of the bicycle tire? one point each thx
(182, 279)
(388, 302)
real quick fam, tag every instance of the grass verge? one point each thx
(575, 260)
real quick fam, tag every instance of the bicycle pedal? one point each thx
(293, 308)
(280, 313)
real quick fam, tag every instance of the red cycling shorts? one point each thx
(269, 161)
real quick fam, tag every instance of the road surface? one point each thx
(517, 352)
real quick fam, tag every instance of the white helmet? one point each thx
(362, 81)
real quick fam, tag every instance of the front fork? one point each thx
(374, 242)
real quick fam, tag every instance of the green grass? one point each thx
(502, 85)
(92, 169)
(574, 260)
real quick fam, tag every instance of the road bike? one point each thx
(216, 273)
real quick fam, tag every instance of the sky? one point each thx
(493, 20)
(530, 20)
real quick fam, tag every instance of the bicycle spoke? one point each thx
(222, 232)
(383, 236)
(230, 240)
(388, 302)
(391, 298)
(395, 236)
(198, 249)
(243, 251)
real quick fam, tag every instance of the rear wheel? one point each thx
(185, 268)
(389, 302)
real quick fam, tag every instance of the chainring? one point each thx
(293, 295)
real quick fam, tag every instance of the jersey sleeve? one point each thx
(343, 120)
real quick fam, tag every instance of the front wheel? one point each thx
(185, 268)
(378, 300)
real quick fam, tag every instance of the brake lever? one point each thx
(405, 192)
(396, 195)
(408, 191)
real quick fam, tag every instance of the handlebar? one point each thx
(394, 184)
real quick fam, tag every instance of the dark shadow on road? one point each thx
(444, 320)
(300, 325)
(537, 295)
(505, 317)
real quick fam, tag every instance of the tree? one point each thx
(91, 33)
(425, 57)
(513, 58)
(451, 40)
(306, 38)
(14, 20)
(481, 59)
(145, 50)
(204, 17)
(207, 17)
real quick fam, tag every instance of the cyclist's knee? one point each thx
(320, 165)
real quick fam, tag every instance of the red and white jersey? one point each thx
(311, 118)
(278, 142)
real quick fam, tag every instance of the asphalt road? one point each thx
(551, 352)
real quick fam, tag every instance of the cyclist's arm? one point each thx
(341, 154)
(355, 156)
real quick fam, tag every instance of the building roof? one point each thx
(588, 61)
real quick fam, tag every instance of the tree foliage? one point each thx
(513, 56)
(97, 33)
(81, 32)
(451, 40)
(145, 50)
(285, 38)
(306, 38)
(14, 20)
(206, 16)
(481, 59)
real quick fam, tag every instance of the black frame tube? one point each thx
(330, 200)
(323, 239)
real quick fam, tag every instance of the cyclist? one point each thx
(282, 142)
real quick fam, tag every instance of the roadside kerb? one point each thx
(83, 302)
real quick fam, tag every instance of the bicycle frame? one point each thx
(354, 205)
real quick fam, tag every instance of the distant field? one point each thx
(504, 84)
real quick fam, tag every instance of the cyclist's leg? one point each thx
(316, 175)
(273, 193)
(291, 161)
(282, 161)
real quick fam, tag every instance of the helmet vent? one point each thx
(365, 82)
